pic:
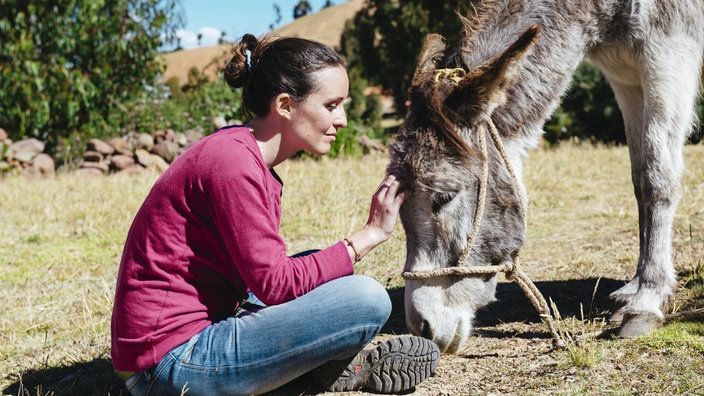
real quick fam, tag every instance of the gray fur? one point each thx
(520, 56)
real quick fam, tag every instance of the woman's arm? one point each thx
(383, 213)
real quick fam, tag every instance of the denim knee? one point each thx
(371, 295)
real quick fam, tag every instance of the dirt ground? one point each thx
(512, 352)
(510, 346)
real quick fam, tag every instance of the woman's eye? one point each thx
(440, 200)
(332, 106)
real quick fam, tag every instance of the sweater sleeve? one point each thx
(245, 206)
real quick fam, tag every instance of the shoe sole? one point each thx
(396, 365)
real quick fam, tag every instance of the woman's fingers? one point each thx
(389, 187)
(386, 183)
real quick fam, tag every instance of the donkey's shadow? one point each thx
(573, 298)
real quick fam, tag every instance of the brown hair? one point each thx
(274, 66)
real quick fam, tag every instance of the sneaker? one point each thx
(393, 366)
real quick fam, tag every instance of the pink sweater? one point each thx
(207, 233)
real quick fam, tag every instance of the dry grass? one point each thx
(61, 239)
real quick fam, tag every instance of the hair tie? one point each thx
(248, 61)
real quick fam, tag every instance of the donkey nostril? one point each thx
(425, 330)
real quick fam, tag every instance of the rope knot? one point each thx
(514, 266)
(455, 75)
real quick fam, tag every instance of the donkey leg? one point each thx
(655, 147)
(630, 98)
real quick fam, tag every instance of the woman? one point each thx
(206, 241)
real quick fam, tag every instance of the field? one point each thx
(61, 240)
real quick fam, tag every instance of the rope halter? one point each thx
(512, 270)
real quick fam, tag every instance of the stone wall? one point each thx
(132, 153)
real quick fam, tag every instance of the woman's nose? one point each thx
(340, 120)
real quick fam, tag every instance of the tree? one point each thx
(277, 19)
(328, 3)
(588, 111)
(303, 8)
(66, 66)
(384, 39)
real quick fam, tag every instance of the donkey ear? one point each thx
(486, 86)
(433, 46)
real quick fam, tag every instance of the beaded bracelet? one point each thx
(354, 249)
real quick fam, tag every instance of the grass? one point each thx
(61, 239)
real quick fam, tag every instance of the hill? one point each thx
(325, 26)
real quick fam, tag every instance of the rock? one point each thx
(219, 122)
(143, 157)
(131, 140)
(5, 166)
(159, 136)
(170, 135)
(158, 163)
(120, 145)
(166, 150)
(25, 150)
(145, 141)
(102, 167)
(44, 165)
(193, 135)
(100, 146)
(181, 139)
(3, 135)
(92, 156)
(121, 162)
(167, 135)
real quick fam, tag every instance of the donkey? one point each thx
(507, 72)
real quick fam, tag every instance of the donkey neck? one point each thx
(569, 28)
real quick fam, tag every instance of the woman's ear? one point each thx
(283, 104)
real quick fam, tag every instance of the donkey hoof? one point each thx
(634, 325)
(616, 317)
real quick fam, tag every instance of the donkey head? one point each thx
(436, 153)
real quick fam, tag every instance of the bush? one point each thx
(588, 112)
(67, 66)
(195, 107)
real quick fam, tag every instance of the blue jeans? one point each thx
(259, 350)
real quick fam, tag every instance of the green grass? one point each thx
(61, 239)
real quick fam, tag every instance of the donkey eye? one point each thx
(440, 200)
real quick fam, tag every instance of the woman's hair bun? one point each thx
(237, 71)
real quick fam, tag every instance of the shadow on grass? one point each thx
(513, 306)
(97, 378)
(84, 378)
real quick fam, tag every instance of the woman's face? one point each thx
(315, 119)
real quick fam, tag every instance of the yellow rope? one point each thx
(456, 74)
(502, 150)
(481, 201)
(465, 271)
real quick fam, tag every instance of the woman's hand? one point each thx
(383, 213)
(385, 205)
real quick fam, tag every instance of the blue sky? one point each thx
(235, 17)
